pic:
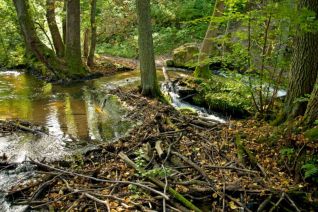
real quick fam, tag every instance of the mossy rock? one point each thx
(185, 56)
(223, 95)
(187, 111)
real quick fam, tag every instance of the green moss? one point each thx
(222, 95)
(312, 134)
(187, 110)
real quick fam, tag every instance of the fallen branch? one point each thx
(278, 202)
(264, 204)
(98, 179)
(160, 184)
(292, 203)
(195, 166)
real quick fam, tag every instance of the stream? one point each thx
(78, 117)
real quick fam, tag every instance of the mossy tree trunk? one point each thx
(55, 33)
(149, 82)
(91, 55)
(311, 114)
(304, 67)
(33, 43)
(73, 40)
(208, 46)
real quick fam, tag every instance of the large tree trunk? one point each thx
(311, 114)
(208, 46)
(55, 33)
(73, 40)
(33, 43)
(304, 67)
(149, 82)
(90, 59)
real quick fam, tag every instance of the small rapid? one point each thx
(172, 90)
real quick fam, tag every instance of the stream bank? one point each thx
(197, 159)
(195, 156)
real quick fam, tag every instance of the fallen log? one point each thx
(160, 184)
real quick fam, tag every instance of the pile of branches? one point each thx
(171, 162)
(8, 127)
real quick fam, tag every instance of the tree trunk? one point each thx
(86, 43)
(304, 67)
(311, 114)
(90, 59)
(64, 22)
(149, 82)
(73, 40)
(55, 33)
(208, 46)
(33, 43)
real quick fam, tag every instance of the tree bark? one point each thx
(55, 33)
(73, 40)
(304, 67)
(311, 114)
(149, 82)
(208, 46)
(64, 21)
(86, 43)
(90, 59)
(33, 43)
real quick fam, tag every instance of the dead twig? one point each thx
(195, 166)
(98, 179)
(278, 202)
(292, 202)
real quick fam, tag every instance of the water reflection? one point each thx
(80, 111)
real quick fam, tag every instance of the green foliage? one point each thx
(11, 43)
(312, 134)
(287, 153)
(172, 25)
(158, 172)
(311, 171)
(140, 161)
(305, 98)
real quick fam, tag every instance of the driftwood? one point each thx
(160, 184)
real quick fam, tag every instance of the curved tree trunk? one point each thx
(55, 33)
(73, 40)
(311, 114)
(33, 43)
(90, 59)
(304, 67)
(208, 46)
(146, 52)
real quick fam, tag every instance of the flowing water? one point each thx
(77, 117)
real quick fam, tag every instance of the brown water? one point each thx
(67, 111)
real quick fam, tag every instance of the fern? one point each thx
(311, 170)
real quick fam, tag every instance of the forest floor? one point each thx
(108, 65)
(175, 162)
